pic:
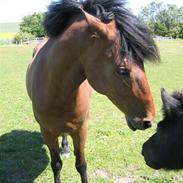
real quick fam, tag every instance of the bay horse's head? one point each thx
(114, 63)
(115, 47)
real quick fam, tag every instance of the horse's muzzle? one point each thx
(138, 123)
(148, 158)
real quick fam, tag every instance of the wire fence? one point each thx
(162, 38)
(37, 40)
(22, 42)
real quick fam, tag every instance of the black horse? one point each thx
(165, 148)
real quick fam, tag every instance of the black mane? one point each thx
(179, 96)
(136, 40)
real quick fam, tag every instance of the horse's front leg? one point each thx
(52, 143)
(79, 139)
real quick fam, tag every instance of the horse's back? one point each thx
(31, 68)
(38, 47)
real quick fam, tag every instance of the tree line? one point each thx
(162, 19)
(30, 27)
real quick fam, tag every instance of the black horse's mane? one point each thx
(136, 40)
(179, 96)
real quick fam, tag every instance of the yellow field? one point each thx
(9, 35)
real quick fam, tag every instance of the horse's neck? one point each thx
(66, 73)
(64, 59)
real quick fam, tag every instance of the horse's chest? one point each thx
(64, 123)
(62, 118)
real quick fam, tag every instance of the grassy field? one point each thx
(113, 152)
(7, 32)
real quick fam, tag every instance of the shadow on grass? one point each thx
(22, 157)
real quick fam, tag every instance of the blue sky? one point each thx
(14, 10)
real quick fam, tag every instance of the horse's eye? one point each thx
(123, 71)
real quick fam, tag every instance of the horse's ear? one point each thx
(169, 102)
(100, 29)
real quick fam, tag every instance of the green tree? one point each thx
(160, 29)
(180, 30)
(32, 24)
(21, 36)
(163, 19)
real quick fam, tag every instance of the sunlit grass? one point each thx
(113, 152)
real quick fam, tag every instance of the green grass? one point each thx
(9, 27)
(113, 152)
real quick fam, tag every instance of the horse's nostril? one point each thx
(147, 124)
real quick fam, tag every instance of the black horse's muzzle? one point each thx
(148, 157)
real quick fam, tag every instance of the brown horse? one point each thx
(104, 48)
